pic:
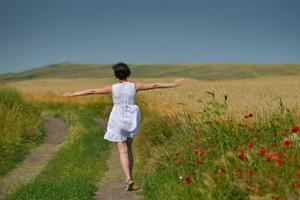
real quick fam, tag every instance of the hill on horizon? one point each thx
(196, 71)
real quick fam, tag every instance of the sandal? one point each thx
(129, 185)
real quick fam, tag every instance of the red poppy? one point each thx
(275, 197)
(298, 173)
(241, 155)
(278, 163)
(250, 173)
(268, 158)
(275, 146)
(270, 182)
(178, 162)
(248, 116)
(286, 143)
(199, 152)
(281, 155)
(271, 156)
(250, 145)
(295, 129)
(187, 180)
(262, 152)
(297, 184)
(221, 170)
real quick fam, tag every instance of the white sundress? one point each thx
(124, 118)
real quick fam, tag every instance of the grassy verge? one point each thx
(21, 128)
(79, 164)
(210, 156)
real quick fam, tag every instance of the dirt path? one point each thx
(111, 186)
(56, 129)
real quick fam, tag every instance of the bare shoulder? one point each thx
(137, 85)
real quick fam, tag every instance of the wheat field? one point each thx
(169, 145)
(257, 95)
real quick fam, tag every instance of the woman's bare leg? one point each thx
(130, 155)
(123, 150)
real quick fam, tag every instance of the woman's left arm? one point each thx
(103, 90)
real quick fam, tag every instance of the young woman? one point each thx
(124, 119)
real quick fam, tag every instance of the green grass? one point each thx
(212, 150)
(168, 148)
(80, 162)
(197, 71)
(21, 128)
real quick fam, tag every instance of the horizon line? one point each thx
(209, 63)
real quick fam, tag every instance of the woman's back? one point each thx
(124, 118)
(124, 93)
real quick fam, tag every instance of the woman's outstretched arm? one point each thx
(103, 90)
(150, 86)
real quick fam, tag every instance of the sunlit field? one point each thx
(78, 164)
(218, 120)
(21, 128)
(228, 139)
(247, 95)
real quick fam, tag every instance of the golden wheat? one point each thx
(257, 95)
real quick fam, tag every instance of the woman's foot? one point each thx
(129, 185)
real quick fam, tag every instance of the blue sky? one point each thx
(39, 32)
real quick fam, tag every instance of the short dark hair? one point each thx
(121, 70)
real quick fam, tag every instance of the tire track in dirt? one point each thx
(111, 186)
(38, 157)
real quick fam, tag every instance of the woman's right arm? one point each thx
(150, 86)
(103, 90)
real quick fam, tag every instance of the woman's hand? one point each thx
(178, 81)
(67, 94)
